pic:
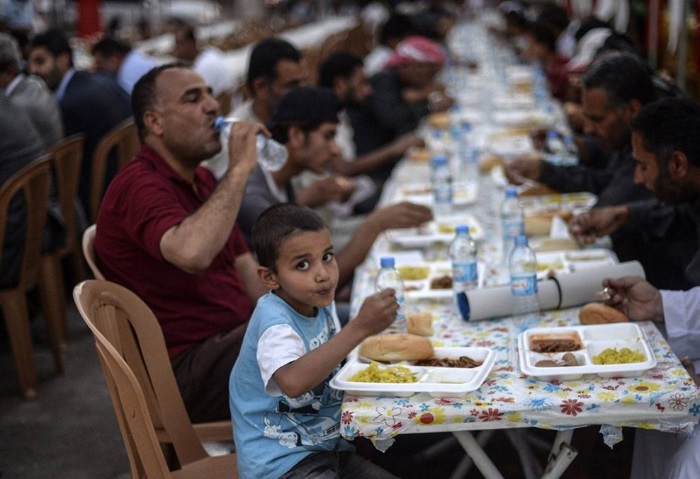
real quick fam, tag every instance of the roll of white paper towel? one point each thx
(565, 291)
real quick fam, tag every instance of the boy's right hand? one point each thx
(377, 312)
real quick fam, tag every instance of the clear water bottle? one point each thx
(555, 148)
(271, 154)
(512, 220)
(441, 180)
(463, 257)
(468, 155)
(389, 277)
(522, 266)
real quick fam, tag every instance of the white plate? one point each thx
(436, 381)
(422, 193)
(593, 339)
(436, 231)
(509, 146)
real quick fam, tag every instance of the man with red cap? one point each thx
(403, 93)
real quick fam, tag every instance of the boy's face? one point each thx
(307, 273)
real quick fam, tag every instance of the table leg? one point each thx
(462, 469)
(561, 456)
(520, 441)
(482, 461)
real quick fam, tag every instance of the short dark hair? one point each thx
(55, 42)
(623, 77)
(144, 96)
(397, 26)
(278, 222)
(555, 16)
(341, 64)
(544, 34)
(109, 46)
(266, 55)
(306, 107)
(669, 125)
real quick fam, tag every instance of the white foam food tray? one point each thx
(436, 381)
(418, 279)
(422, 193)
(593, 340)
(557, 202)
(438, 230)
(571, 261)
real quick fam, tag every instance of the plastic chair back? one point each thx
(123, 139)
(89, 251)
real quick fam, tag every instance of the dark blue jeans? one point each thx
(336, 465)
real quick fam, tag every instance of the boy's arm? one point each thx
(377, 312)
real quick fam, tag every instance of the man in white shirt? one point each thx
(121, 61)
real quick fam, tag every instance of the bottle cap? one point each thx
(511, 192)
(462, 229)
(521, 240)
(439, 160)
(386, 262)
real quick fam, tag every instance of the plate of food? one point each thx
(436, 231)
(440, 372)
(568, 353)
(422, 193)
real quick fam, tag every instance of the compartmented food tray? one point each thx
(431, 280)
(422, 193)
(438, 230)
(436, 381)
(584, 343)
(557, 202)
(571, 261)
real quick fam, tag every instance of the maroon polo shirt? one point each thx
(144, 200)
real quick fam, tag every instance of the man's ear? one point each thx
(268, 277)
(678, 165)
(296, 137)
(633, 108)
(153, 122)
(259, 87)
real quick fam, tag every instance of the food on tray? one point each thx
(460, 362)
(392, 374)
(396, 347)
(536, 190)
(615, 356)
(420, 323)
(412, 287)
(420, 155)
(556, 244)
(555, 342)
(587, 256)
(567, 360)
(413, 273)
(488, 162)
(598, 313)
(441, 282)
(539, 224)
(418, 190)
(439, 120)
(446, 228)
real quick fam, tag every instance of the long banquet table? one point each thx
(664, 398)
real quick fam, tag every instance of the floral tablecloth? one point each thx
(663, 398)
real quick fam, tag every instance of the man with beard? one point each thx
(667, 154)
(674, 213)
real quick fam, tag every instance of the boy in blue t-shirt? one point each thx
(286, 418)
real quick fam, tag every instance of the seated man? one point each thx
(305, 121)
(403, 93)
(118, 59)
(167, 231)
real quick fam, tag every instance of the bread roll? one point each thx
(488, 162)
(439, 120)
(420, 323)
(540, 224)
(396, 347)
(598, 313)
(420, 155)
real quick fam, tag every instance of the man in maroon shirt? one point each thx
(168, 231)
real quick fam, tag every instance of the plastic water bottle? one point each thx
(512, 220)
(522, 266)
(468, 155)
(555, 147)
(271, 154)
(441, 180)
(389, 277)
(463, 257)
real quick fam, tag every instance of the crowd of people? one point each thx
(236, 260)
